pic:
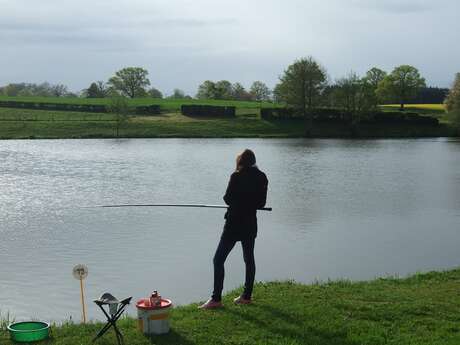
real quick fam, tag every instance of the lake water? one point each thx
(341, 209)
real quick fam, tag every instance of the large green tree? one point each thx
(401, 85)
(452, 101)
(301, 86)
(130, 81)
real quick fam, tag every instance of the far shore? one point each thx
(17, 123)
(43, 124)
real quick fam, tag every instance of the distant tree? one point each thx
(224, 90)
(98, 89)
(130, 81)
(452, 101)
(92, 91)
(355, 95)
(278, 93)
(177, 94)
(431, 95)
(118, 106)
(329, 96)
(259, 91)
(103, 88)
(59, 90)
(374, 76)
(401, 85)
(207, 90)
(30, 89)
(239, 93)
(14, 89)
(301, 86)
(43, 90)
(155, 93)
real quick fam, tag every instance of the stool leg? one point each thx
(120, 339)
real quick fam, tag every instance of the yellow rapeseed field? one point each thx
(437, 107)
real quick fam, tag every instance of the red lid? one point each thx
(145, 304)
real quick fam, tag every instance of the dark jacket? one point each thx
(246, 192)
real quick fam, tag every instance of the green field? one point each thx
(423, 309)
(24, 123)
(27, 123)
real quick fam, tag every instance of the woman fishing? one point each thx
(246, 192)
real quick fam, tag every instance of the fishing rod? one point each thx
(171, 205)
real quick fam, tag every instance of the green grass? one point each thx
(5, 320)
(165, 104)
(423, 309)
(45, 124)
(19, 123)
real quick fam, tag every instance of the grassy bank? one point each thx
(422, 309)
(19, 123)
(43, 124)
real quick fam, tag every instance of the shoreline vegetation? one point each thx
(422, 309)
(23, 123)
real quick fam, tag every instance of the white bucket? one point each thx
(153, 319)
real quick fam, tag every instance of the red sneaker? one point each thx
(211, 304)
(242, 300)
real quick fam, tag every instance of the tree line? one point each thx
(42, 90)
(303, 85)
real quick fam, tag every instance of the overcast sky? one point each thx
(184, 42)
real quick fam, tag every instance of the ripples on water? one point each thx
(342, 209)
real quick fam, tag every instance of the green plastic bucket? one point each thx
(29, 331)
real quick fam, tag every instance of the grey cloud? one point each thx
(183, 42)
(94, 32)
(140, 22)
(397, 6)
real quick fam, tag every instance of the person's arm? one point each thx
(262, 199)
(229, 196)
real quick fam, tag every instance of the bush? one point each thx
(421, 120)
(55, 106)
(341, 116)
(207, 111)
(331, 115)
(91, 108)
(147, 110)
(278, 113)
(398, 117)
(319, 114)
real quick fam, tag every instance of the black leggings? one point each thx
(224, 248)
